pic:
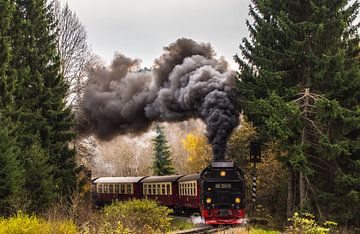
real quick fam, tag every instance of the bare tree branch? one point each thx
(76, 57)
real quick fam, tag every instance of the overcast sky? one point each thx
(140, 28)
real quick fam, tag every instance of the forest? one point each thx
(296, 92)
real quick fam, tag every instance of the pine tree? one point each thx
(38, 177)
(6, 9)
(162, 158)
(45, 123)
(300, 86)
(10, 170)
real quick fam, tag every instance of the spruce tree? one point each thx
(162, 157)
(300, 86)
(6, 9)
(39, 183)
(10, 170)
(44, 121)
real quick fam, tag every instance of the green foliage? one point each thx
(38, 177)
(6, 83)
(32, 97)
(42, 90)
(136, 216)
(162, 157)
(306, 224)
(300, 87)
(10, 170)
(25, 224)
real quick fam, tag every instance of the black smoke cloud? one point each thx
(187, 81)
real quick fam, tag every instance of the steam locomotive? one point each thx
(217, 192)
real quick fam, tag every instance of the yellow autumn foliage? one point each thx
(199, 152)
(31, 224)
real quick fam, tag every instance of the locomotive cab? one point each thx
(223, 194)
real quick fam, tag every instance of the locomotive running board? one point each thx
(222, 164)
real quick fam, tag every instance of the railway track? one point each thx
(207, 229)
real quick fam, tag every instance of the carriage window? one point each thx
(182, 190)
(100, 188)
(153, 189)
(158, 189)
(163, 189)
(145, 188)
(129, 189)
(168, 189)
(111, 188)
(187, 188)
(116, 188)
(122, 188)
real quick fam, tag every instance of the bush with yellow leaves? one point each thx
(306, 224)
(22, 223)
(135, 216)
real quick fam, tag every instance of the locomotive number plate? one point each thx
(221, 186)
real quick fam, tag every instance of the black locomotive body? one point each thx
(222, 198)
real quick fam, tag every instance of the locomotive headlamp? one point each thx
(222, 173)
(237, 200)
(208, 200)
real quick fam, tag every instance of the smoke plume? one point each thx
(187, 81)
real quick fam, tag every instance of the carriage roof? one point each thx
(109, 180)
(153, 179)
(190, 177)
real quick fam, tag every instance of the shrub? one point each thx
(25, 224)
(180, 223)
(259, 230)
(306, 224)
(136, 216)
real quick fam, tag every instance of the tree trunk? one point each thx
(291, 194)
(302, 190)
(302, 184)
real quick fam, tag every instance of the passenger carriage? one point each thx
(108, 189)
(163, 189)
(189, 191)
